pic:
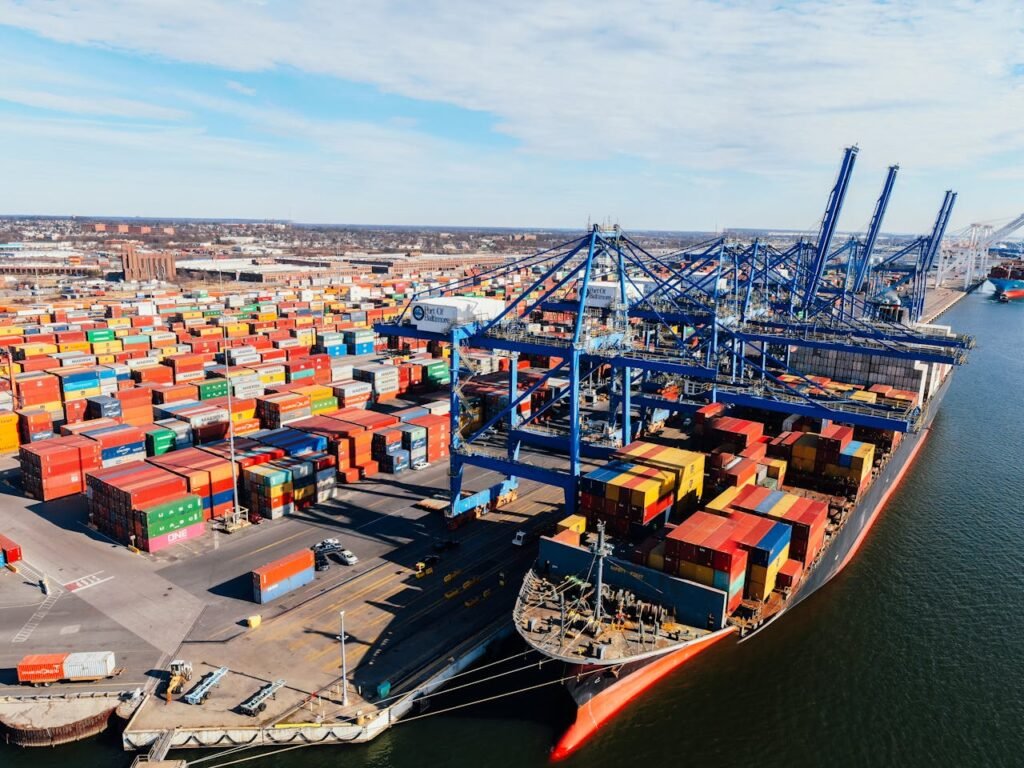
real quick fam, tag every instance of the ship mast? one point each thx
(600, 550)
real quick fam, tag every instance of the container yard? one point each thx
(310, 506)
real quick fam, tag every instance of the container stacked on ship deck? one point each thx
(808, 518)
(740, 554)
(832, 454)
(641, 486)
(627, 497)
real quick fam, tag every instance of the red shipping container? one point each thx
(12, 551)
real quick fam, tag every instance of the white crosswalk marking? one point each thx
(44, 608)
(91, 580)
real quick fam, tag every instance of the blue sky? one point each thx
(677, 114)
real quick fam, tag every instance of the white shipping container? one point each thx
(341, 372)
(352, 388)
(89, 666)
(128, 458)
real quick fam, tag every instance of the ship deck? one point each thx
(634, 631)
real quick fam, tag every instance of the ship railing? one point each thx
(844, 406)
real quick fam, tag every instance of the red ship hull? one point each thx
(603, 707)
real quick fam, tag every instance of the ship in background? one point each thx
(1008, 280)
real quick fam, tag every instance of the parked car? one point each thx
(327, 546)
(347, 557)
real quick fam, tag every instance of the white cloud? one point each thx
(697, 83)
(101, 104)
(238, 87)
(694, 85)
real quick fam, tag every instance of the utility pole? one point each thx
(344, 664)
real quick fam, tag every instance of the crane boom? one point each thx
(875, 228)
(1002, 233)
(829, 224)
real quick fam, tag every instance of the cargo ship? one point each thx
(1008, 279)
(619, 622)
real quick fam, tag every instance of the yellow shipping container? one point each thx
(577, 523)
(721, 502)
(8, 431)
(105, 359)
(192, 315)
(656, 557)
(11, 330)
(265, 317)
(783, 505)
(245, 413)
(272, 378)
(777, 469)
(236, 329)
(758, 590)
(119, 322)
(107, 347)
(32, 350)
(73, 346)
(702, 574)
(806, 447)
(687, 467)
(864, 396)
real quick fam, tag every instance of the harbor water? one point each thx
(911, 657)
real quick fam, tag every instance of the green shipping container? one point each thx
(160, 527)
(211, 388)
(159, 442)
(170, 515)
(324, 404)
(100, 334)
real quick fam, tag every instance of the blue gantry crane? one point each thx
(666, 333)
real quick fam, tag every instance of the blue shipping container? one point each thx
(771, 545)
(274, 591)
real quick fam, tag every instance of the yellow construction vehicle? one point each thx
(180, 673)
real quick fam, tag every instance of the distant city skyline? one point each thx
(671, 116)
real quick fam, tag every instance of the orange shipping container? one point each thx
(41, 668)
(284, 568)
